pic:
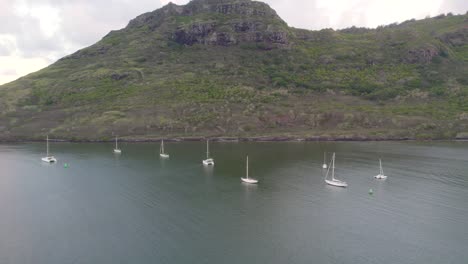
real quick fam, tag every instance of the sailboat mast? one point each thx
(381, 170)
(116, 143)
(47, 146)
(247, 168)
(207, 150)
(324, 157)
(161, 149)
(333, 167)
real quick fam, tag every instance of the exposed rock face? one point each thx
(196, 33)
(220, 22)
(230, 7)
(422, 55)
(238, 32)
(456, 38)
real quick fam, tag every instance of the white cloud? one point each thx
(49, 19)
(14, 67)
(387, 12)
(7, 44)
(318, 14)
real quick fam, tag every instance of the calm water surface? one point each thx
(136, 208)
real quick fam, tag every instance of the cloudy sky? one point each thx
(35, 33)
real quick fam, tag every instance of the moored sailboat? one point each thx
(333, 181)
(162, 154)
(48, 158)
(247, 179)
(208, 161)
(381, 175)
(116, 149)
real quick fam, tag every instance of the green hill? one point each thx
(235, 68)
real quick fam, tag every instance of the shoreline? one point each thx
(237, 139)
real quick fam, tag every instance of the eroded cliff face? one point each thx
(222, 23)
(235, 33)
(422, 55)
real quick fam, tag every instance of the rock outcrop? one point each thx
(220, 22)
(456, 38)
(422, 55)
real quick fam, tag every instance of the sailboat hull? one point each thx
(208, 162)
(380, 177)
(164, 156)
(336, 183)
(249, 180)
(324, 166)
(49, 159)
(118, 151)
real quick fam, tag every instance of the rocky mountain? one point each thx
(234, 68)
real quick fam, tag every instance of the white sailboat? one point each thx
(247, 179)
(333, 181)
(381, 175)
(208, 161)
(161, 151)
(49, 158)
(116, 149)
(324, 166)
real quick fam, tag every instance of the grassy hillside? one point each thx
(234, 68)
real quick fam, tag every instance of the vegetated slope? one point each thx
(235, 68)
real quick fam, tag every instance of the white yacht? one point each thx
(116, 149)
(48, 158)
(208, 161)
(162, 154)
(247, 179)
(381, 175)
(333, 181)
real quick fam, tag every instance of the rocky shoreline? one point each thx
(238, 139)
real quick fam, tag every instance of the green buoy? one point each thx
(65, 165)
(371, 191)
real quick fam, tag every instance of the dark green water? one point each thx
(135, 208)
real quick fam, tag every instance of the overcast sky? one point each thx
(35, 33)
